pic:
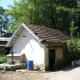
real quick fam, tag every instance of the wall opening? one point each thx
(51, 59)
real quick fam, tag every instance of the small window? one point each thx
(24, 36)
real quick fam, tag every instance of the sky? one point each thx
(4, 3)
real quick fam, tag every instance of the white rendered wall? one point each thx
(28, 45)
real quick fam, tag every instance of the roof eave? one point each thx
(15, 35)
(32, 33)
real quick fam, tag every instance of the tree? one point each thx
(74, 43)
(18, 13)
(4, 21)
(77, 16)
(50, 13)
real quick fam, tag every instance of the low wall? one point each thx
(16, 59)
(12, 67)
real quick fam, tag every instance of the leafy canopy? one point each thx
(4, 22)
(74, 44)
(56, 14)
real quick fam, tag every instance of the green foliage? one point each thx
(51, 13)
(3, 19)
(19, 14)
(74, 43)
(77, 16)
(4, 22)
(73, 28)
(3, 58)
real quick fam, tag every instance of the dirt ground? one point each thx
(66, 74)
(22, 75)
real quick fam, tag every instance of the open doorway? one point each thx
(51, 59)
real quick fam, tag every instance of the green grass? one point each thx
(3, 58)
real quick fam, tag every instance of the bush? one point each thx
(3, 58)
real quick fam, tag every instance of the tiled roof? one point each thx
(48, 34)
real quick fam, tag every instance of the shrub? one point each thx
(3, 58)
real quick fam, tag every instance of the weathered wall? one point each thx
(28, 45)
(59, 53)
(59, 56)
(3, 46)
(2, 49)
(46, 57)
(16, 58)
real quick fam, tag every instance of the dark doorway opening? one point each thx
(51, 59)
